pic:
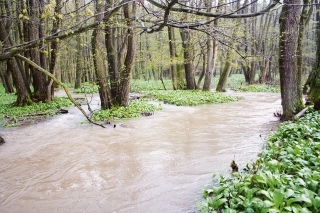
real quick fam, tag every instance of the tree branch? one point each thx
(62, 35)
(216, 15)
(59, 83)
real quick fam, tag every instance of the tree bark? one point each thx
(173, 54)
(39, 79)
(304, 20)
(212, 51)
(125, 76)
(54, 50)
(290, 95)
(79, 59)
(188, 58)
(224, 74)
(98, 59)
(23, 97)
(314, 76)
(112, 56)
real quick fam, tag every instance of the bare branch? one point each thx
(62, 35)
(216, 15)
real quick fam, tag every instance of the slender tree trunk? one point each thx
(39, 79)
(6, 78)
(304, 20)
(125, 76)
(212, 49)
(203, 71)
(98, 59)
(253, 67)
(79, 58)
(23, 97)
(112, 56)
(54, 50)
(221, 87)
(291, 98)
(314, 76)
(188, 58)
(172, 50)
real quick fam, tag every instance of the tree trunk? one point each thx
(79, 58)
(173, 54)
(23, 97)
(212, 50)
(203, 70)
(253, 67)
(314, 76)
(290, 95)
(39, 79)
(125, 75)
(54, 51)
(304, 20)
(98, 59)
(188, 58)
(6, 78)
(112, 56)
(221, 87)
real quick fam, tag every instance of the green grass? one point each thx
(11, 115)
(190, 97)
(140, 85)
(136, 108)
(258, 88)
(285, 178)
(237, 82)
(87, 88)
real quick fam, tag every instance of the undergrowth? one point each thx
(190, 97)
(285, 177)
(258, 88)
(136, 108)
(11, 115)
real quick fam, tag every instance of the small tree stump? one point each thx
(2, 141)
(234, 166)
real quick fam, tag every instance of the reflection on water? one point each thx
(155, 164)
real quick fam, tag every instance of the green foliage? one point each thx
(11, 115)
(87, 88)
(136, 86)
(136, 108)
(235, 80)
(190, 97)
(139, 85)
(285, 178)
(258, 88)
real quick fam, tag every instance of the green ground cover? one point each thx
(285, 177)
(11, 115)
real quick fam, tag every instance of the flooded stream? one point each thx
(157, 164)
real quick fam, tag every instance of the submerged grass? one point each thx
(285, 178)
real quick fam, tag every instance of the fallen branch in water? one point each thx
(59, 83)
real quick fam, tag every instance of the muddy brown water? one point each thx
(156, 164)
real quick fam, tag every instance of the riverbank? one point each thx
(285, 177)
